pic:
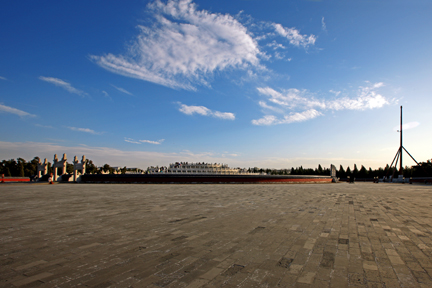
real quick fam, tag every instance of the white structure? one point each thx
(42, 168)
(79, 167)
(198, 168)
(59, 164)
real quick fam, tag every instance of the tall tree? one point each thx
(348, 172)
(341, 172)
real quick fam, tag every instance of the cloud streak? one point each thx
(122, 90)
(323, 25)
(11, 110)
(86, 130)
(204, 111)
(291, 118)
(130, 140)
(63, 84)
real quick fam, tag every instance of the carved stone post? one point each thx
(59, 164)
(79, 166)
(42, 168)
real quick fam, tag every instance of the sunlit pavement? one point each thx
(277, 235)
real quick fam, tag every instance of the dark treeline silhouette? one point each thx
(422, 170)
(22, 168)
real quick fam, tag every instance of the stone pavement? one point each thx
(301, 235)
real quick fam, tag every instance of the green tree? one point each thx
(91, 168)
(108, 168)
(7, 172)
(69, 168)
(31, 167)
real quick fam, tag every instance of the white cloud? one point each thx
(294, 36)
(63, 84)
(184, 47)
(3, 78)
(367, 98)
(7, 109)
(294, 99)
(158, 142)
(130, 140)
(153, 142)
(224, 115)
(204, 111)
(264, 105)
(86, 130)
(291, 98)
(122, 90)
(190, 110)
(323, 24)
(407, 126)
(266, 120)
(291, 118)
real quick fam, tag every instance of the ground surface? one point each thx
(306, 235)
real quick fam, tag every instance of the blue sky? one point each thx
(274, 83)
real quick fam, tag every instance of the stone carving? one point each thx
(79, 166)
(59, 164)
(42, 168)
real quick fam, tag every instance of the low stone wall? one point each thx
(15, 179)
(197, 178)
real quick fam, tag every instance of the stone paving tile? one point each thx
(309, 235)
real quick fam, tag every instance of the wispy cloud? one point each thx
(130, 140)
(323, 25)
(107, 95)
(3, 78)
(293, 99)
(122, 90)
(158, 142)
(294, 36)
(63, 84)
(291, 118)
(407, 126)
(367, 98)
(11, 110)
(44, 126)
(86, 130)
(204, 111)
(264, 105)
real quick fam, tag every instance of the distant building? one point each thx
(197, 168)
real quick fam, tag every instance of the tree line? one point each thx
(424, 169)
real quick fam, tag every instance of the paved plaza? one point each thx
(276, 235)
